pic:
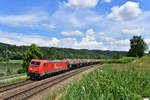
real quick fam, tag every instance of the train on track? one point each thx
(40, 68)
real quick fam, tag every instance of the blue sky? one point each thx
(79, 24)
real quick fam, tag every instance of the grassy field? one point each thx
(15, 61)
(138, 65)
(130, 81)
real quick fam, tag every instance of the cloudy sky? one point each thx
(79, 24)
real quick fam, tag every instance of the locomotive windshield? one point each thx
(33, 63)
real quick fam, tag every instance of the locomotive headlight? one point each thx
(30, 69)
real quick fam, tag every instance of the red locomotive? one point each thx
(39, 68)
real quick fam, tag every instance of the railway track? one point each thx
(14, 85)
(29, 92)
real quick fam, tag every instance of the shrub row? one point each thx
(20, 71)
(121, 60)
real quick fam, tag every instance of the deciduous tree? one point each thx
(137, 47)
(33, 52)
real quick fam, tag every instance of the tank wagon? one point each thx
(40, 68)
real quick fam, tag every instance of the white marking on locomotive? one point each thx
(56, 67)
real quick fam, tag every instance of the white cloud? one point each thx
(147, 40)
(101, 33)
(133, 31)
(108, 1)
(89, 35)
(87, 42)
(25, 20)
(75, 18)
(49, 26)
(73, 33)
(20, 39)
(121, 45)
(82, 3)
(115, 44)
(75, 21)
(54, 41)
(107, 39)
(128, 11)
(66, 18)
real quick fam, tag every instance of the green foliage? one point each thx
(52, 53)
(117, 56)
(110, 85)
(33, 52)
(15, 61)
(137, 47)
(121, 60)
(13, 67)
(20, 71)
(16, 52)
(1, 74)
(139, 65)
(1, 59)
(130, 81)
(9, 71)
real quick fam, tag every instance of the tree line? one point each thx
(13, 52)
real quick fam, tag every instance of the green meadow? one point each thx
(113, 81)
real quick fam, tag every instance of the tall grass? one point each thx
(129, 81)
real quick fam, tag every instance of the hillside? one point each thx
(16, 52)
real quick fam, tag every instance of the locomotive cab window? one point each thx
(34, 63)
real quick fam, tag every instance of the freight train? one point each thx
(40, 68)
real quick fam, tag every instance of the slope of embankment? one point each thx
(115, 81)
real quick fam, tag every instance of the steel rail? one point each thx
(25, 94)
(14, 85)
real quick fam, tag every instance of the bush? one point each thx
(117, 56)
(20, 71)
(122, 60)
(9, 71)
(1, 74)
(1, 59)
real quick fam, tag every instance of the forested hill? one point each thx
(16, 52)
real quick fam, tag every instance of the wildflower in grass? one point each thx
(101, 70)
(96, 82)
(83, 88)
